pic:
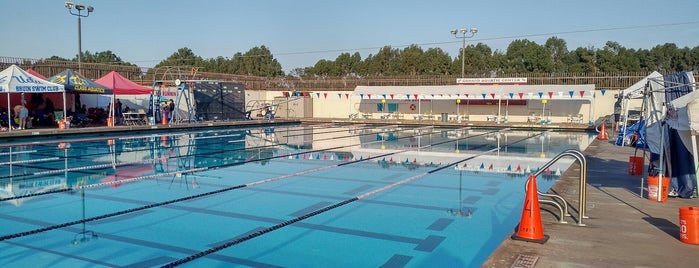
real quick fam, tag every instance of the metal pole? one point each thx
(80, 48)
(463, 55)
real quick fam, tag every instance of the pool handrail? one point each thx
(580, 157)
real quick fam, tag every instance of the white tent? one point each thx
(681, 114)
(651, 84)
(15, 80)
(635, 91)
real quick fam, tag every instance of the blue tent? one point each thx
(76, 83)
(636, 130)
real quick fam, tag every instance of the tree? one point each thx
(666, 58)
(410, 60)
(385, 62)
(479, 59)
(559, 50)
(527, 56)
(436, 62)
(183, 57)
(346, 64)
(257, 61)
(107, 57)
(581, 60)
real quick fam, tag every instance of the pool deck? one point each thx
(624, 229)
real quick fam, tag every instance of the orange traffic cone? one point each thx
(530, 228)
(603, 133)
(164, 120)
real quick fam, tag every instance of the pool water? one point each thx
(288, 196)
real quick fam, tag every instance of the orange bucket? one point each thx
(635, 165)
(689, 225)
(61, 124)
(653, 188)
(110, 122)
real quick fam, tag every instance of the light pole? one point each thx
(464, 33)
(79, 7)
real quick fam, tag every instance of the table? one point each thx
(132, 118)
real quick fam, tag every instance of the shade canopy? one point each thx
(122, 86)
(14, 79)
(76, 83)
(35, 73)
(635, 91)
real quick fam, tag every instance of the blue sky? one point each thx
(299, 33)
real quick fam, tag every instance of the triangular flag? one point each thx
(339, 95)
(415, 95)
(347, 95)
(384, 96)
(483, 95)
(550, 94)
(361, 95)
(492, 95)
(391, 96)
(571, 93)
(369, 96)
(603, 90)
(325, 95)
(512, 95)
(521, 94)
(541, 94)
(318, 95)
(582, 92)
(407, 96)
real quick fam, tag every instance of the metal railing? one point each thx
(563, 205)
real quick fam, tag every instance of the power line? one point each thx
(476, 40)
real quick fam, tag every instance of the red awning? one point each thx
(121, 85)
(35, 73)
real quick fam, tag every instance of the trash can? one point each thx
(151, 120)
(445, 117)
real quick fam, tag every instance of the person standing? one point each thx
(617, 113)
(22, 115)
(171, 108)
(117, 110)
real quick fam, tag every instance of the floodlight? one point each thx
(453, 31)
(69, 5)
(79, 7)
(90, 9)
(474, 30)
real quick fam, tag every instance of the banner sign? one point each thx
(492, 81)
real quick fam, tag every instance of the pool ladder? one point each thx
(562, 205)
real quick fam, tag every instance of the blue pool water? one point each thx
(379, 196)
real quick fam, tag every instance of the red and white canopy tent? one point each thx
(121, 86)
(35, 73)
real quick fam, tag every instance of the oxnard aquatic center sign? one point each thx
(492, 81)
(28, 84)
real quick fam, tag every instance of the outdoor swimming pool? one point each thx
(289, 196)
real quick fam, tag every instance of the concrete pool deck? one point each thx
(624, 229)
